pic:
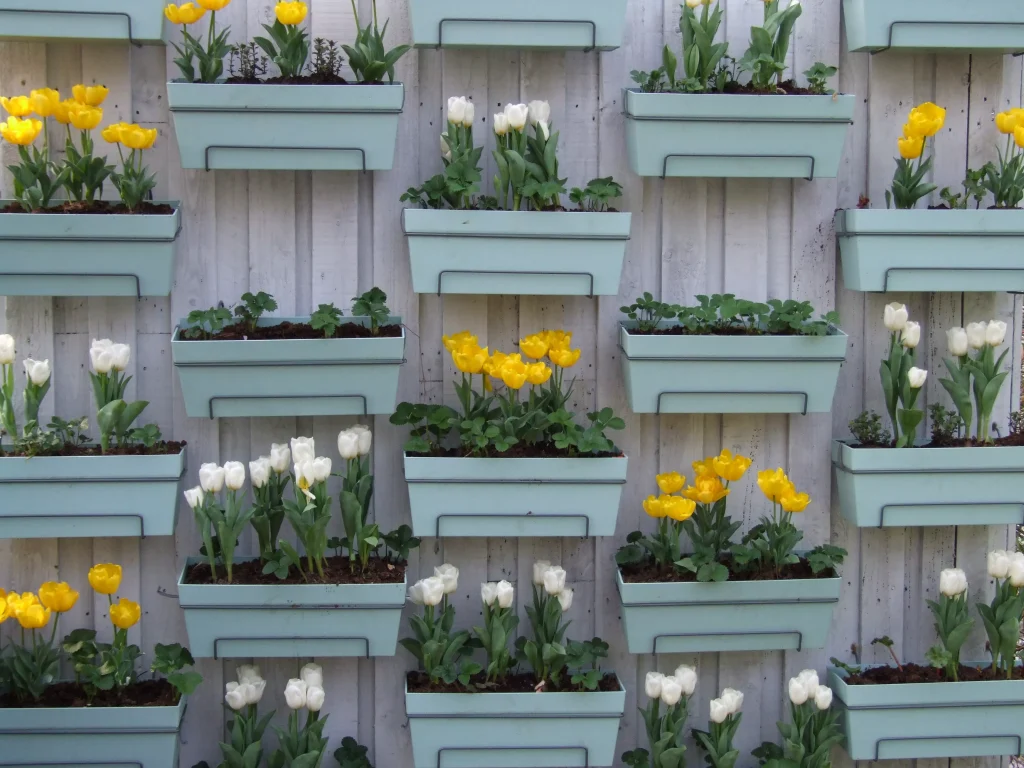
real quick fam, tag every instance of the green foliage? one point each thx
(1017, 423)
(253, 307)
(245, 62)
(868, 430)
(498, 628)
(649, 313)
(170, 661)
(908, 182)
(545, 652)
(86, 174)
(1002, 619)
(206, 323)
(807, 742)
(847, 668)
(299, 747)
(570, 436)
(351, 754)
(1006, 180)
(973, 187)
(765, 59)
(372, 304)
(583, 659)
(953, 626)
(441, 653)
(826, 558)
(431, 424)
(327, 318)
(817, 78)
(399, 543)
(148, 435)
(368, 57)
(725, 314)
(288, 47)
(702, 56)
(946, 424)
(597, 195)
(327, 60)
(210, 57)
(245, 748)
(710, 530)
(36, 180)
(717, 742)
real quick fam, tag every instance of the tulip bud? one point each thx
(248, 673)
(956, 338)
(280, 457)
(895, 316)
(259, 471)
(321, 467)
(539, 112)
(365, 438)
(976, 333)
(467, 119)
(254, 691)
(539, 569)
(312, 675)
(1016, 572)
(501, 124)
(37, 371)
(432, 590)
(916, 377)
(687, 677)
(797, 692)
(823, 698)
(733, 699)
(516, 114)
(652, 684)
(348, 444)
(995, 333)
(565, 599)
(194, 496)
(303, 449)
(489, 592)
(315, 696)
(671, 691)
(234, 475)
(211, 478)
(694, 3)
(6, 349)
(449, 576)
(554, 580)
(719, 711)
(120, 355)
(998, 564)
(416, 593)
(295, 693)
(456, 109)
(952, 582)
(235, 696)
(809, 680)
(910, 336)
(505, 594)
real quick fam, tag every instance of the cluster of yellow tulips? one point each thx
(924, 121)
(710, 485)
(81, 111)
(510, 369)
(780, 490)
(34, 610)
(1011, 123)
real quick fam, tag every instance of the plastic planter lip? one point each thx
(328, 127)
(551, 24)
(693, 617)
(55, 720)
(934, 25)
(900, 487)
(135, 21)
(112, 495)
(289, 377)
(329, 620)
(516, 252)
(730, 374)
(685, 134)
(922, 720)
(528, 496)
(923, 250)
(83, 254)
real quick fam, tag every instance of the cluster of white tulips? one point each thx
(247, 691)
(433, 589)
(307, 690)
(355, 442)
(515, 117)
(805, 687)
(975, 336)
(552, 579)
(107, 356)
(500, 593)
(1004, 564)
(37, 372)
(980, 374)
(730, 702)
(669, 689)
(897, 321)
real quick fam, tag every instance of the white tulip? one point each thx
(120, 354)
(995, 333)
(501, 124)
(539, 112)
(194, 496)
(1016, 572)
(952, 582)
(516, 114)
(467, 119)
(489, 592)
(505, 594)
(976, 334)
(315, 696)
(565, 599)
(449, 576)
(539, 569)
(446, 151)
(732, 699)
(303, 449)
(312, 675)
(809, 680)
(303, 470)
(544, 130)
(823, 698)
(235, 696)
(259, 471)
(916, 377)
(249, 673)
(797, 692)
(416, 593)
(37, 371)
(554, 580)
(895, 316)
(280, 457)
(101, 356)
(432, 590)
(321, 468)
(694, 3)
(956, 339)
(365, 438)
(998, 563)
(671, 691)
(211, 478)
(234, 475)
(295, 693)
(910, 336)
(348, 444)
(652, 684)
(687, 678)
(457, 109)
(6, 349)
(719, 711)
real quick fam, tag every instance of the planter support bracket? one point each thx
(81, 516)
(697, 635)
(443, 272)
(1018, 504)
(360, 150)
(700, 156)
(364, 640)
(588, 22)
(974, 270)
(584, 750)
(131, 39)
(929, 22)
(515, 516)
(802, 411)
(879, 742)
(138, 282)
(361, 398)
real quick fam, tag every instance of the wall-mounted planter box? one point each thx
(691, 617)
(290, 620)
(294, 377)
(900, 487)
(516, 252)
(584, 24)
(525, 497)
(103, 736)
(730, 374)
(135, 21)
(514, 730)
(934, 25)
(921, 720)
(286, 127)
(733, 135)
(89, 496)
(921, 250)
(67, 254)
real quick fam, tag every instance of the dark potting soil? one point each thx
(336, 571)
(915, 673)
(678, 330)
(524, 682)
(98, 207)
(146, 693)
(998, 442)
(517, 451)
(135, 449)
(652, 572)
(300, 80)
(551, 209)
(239, 332)
(786, 88)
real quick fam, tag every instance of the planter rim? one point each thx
(718, 348)
(221, 97)
(929, 223)
(434, 705)
(562, 225)
(93, 463)
(89, 227)
(756, 592)
(990, 693)
(100, 216)
(62, 719)
(853, 459)
(524, 463)
(704, 107)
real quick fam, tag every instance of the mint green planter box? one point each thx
(289, 377)
(68, 254)
(285, 621)
(730, 374)
(530, 253)
(931, 251)
(934, 25)
(514, 497)
(111, 737)
(923, 720)
(735, 135)
(514, 730)
(727, 616)
(94, 21)
(900, 487)
(585, 24)
(51, 497)
(286, 127)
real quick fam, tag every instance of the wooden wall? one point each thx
(316, 237)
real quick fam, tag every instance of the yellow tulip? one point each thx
(14, 600)
(654, 506)
(112, 133)
(33, 616)
(136, 137)
(564, 358)
(925, 120)
(59, 597)
(62, 114)
(1006, 122)
(535, 346)
(125, 614)
(678, 508)
(90, 95)
(85, 118)
(493, 365)
(704, 467)
(670, 482)
(537, 373)
(105, 578)
(795, 502)
(729, 467)
(20, 132)
(44, 101)
(5, 612)
(18, 106)
(214, 5)
(457, 340)
(911, 148)
(513, 373)
(469, 358)
(184, 14)
(291, 12)
(558, 339)
(774, 484)
(1018, 136)
(706, 489)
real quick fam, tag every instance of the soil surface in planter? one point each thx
(146, 693)
(679, 330)
(239, 332)
(785, 88)
(999, 442)
(300, 80)
(336, 571)
(135, 449)
(523, 682)
(915, 673)
(645, 573)
(478, 206)
(517, 451)
(98, 207)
